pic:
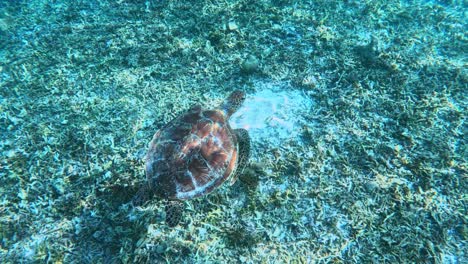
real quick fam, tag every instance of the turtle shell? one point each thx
(192, 155)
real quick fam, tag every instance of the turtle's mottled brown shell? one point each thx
(194, 153)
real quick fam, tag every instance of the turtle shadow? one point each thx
(108, 226)
(118, 194)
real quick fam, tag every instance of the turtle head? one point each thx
(233, 102)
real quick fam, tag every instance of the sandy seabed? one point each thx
(365, 163)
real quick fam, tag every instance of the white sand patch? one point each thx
(273, 114)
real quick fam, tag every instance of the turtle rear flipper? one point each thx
(243, 139)
(174, 210)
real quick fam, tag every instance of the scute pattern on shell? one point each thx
(191, 155)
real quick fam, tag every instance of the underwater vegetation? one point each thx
(357, 116)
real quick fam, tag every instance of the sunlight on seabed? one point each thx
(273, 114)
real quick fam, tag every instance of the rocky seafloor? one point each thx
(356, 109)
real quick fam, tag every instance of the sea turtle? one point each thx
(194, 154)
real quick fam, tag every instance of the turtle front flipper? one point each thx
(174, 210)
(243, 141)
